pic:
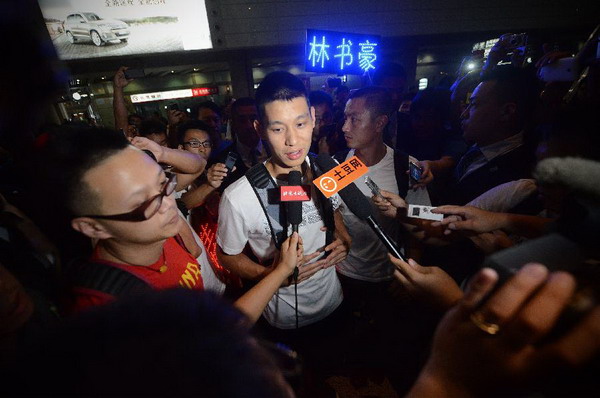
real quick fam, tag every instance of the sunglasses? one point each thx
(147, 209)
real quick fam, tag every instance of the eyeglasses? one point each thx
(147, 209)
(198, 144)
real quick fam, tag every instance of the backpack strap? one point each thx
(341, 155)
(400, 168)
(323, 204)
(108, 279)
(266, 191)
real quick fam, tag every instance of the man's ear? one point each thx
(90, 228)
(509, 111)
(313, 116)
(380, 122)
(259, 128)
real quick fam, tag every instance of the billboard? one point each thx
(341, 53)
(107, 28)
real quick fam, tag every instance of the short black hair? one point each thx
(206, 104)
(518, 85)
(389, 69)
(320, 97)
(214, 136)
(279, 86)
(377, 100)
(166, 343)
(244, 101)
(67, 156)
(152, 126)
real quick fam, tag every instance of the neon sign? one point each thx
(341, 53)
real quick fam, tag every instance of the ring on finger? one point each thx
(485, 326)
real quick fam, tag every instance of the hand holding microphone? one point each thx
(293, 195)
(358, 204)
(294, 207)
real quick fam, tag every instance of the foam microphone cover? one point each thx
(294, 208)
(353, 198)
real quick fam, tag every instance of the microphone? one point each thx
(294, 207)
(359, 205)
(294, 215)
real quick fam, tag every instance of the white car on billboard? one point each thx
(88, 26)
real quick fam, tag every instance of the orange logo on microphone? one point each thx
(341, 176)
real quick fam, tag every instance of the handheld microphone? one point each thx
(359, 205)
(294, 207)
(294, 217)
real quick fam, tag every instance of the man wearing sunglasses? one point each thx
(121, 198)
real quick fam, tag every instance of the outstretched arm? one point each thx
(214, 178)
(188, 165)
(119, 107)
(253, 302)
(429, 284)
(468, 218)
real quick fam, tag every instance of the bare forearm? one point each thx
(441, 166)
(256, 299)
(184, 180)
(528, 226)
(183, 161)
(242, 266)
(120, 109)
(197, 196)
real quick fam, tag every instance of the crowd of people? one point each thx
(156, 258)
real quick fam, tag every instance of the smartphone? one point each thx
(230, 161)
(134, 73)
(373, 187)
(415, 171)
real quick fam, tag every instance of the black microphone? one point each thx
(294, 207)
(294, 217)
(359, 205)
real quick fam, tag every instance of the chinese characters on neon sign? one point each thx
(342, 53)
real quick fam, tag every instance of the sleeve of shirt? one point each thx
(232, 231)
(505, 196)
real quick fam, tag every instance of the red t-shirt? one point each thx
(175, 268)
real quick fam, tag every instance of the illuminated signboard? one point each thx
(486, 46)
(341, 53)
(173, 94)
